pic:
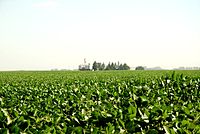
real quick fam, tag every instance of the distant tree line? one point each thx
(110, 66)
(139, 68)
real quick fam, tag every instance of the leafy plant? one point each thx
(100, 102)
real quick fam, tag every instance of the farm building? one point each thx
(84, 66)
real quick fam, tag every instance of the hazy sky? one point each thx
(46, 34)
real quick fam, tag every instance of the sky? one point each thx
(48, 34)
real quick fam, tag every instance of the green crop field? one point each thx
(100, 102)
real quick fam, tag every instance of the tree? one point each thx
(121, 67)
(94, 66)
(108, 67)
(126, 67)
(98, 66)
(115, 66)
(112, 66)
(139, 68)
(102, 67)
